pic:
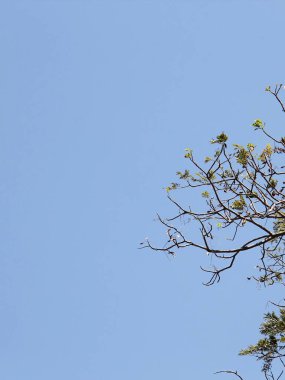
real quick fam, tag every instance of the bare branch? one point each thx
(235, 373)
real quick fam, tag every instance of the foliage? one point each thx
(242, 187)
(271, 346)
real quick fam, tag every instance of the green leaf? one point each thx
(258, 124)
(220, 139)
(205, 194)
(239, 204)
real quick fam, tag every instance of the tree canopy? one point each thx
(242, 188)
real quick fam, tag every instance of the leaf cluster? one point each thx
(272, 344)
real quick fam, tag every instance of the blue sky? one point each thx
(98, 101)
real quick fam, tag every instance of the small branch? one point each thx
(230, 372)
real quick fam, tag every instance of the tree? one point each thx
(242, 187)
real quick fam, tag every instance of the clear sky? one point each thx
(98, 101)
